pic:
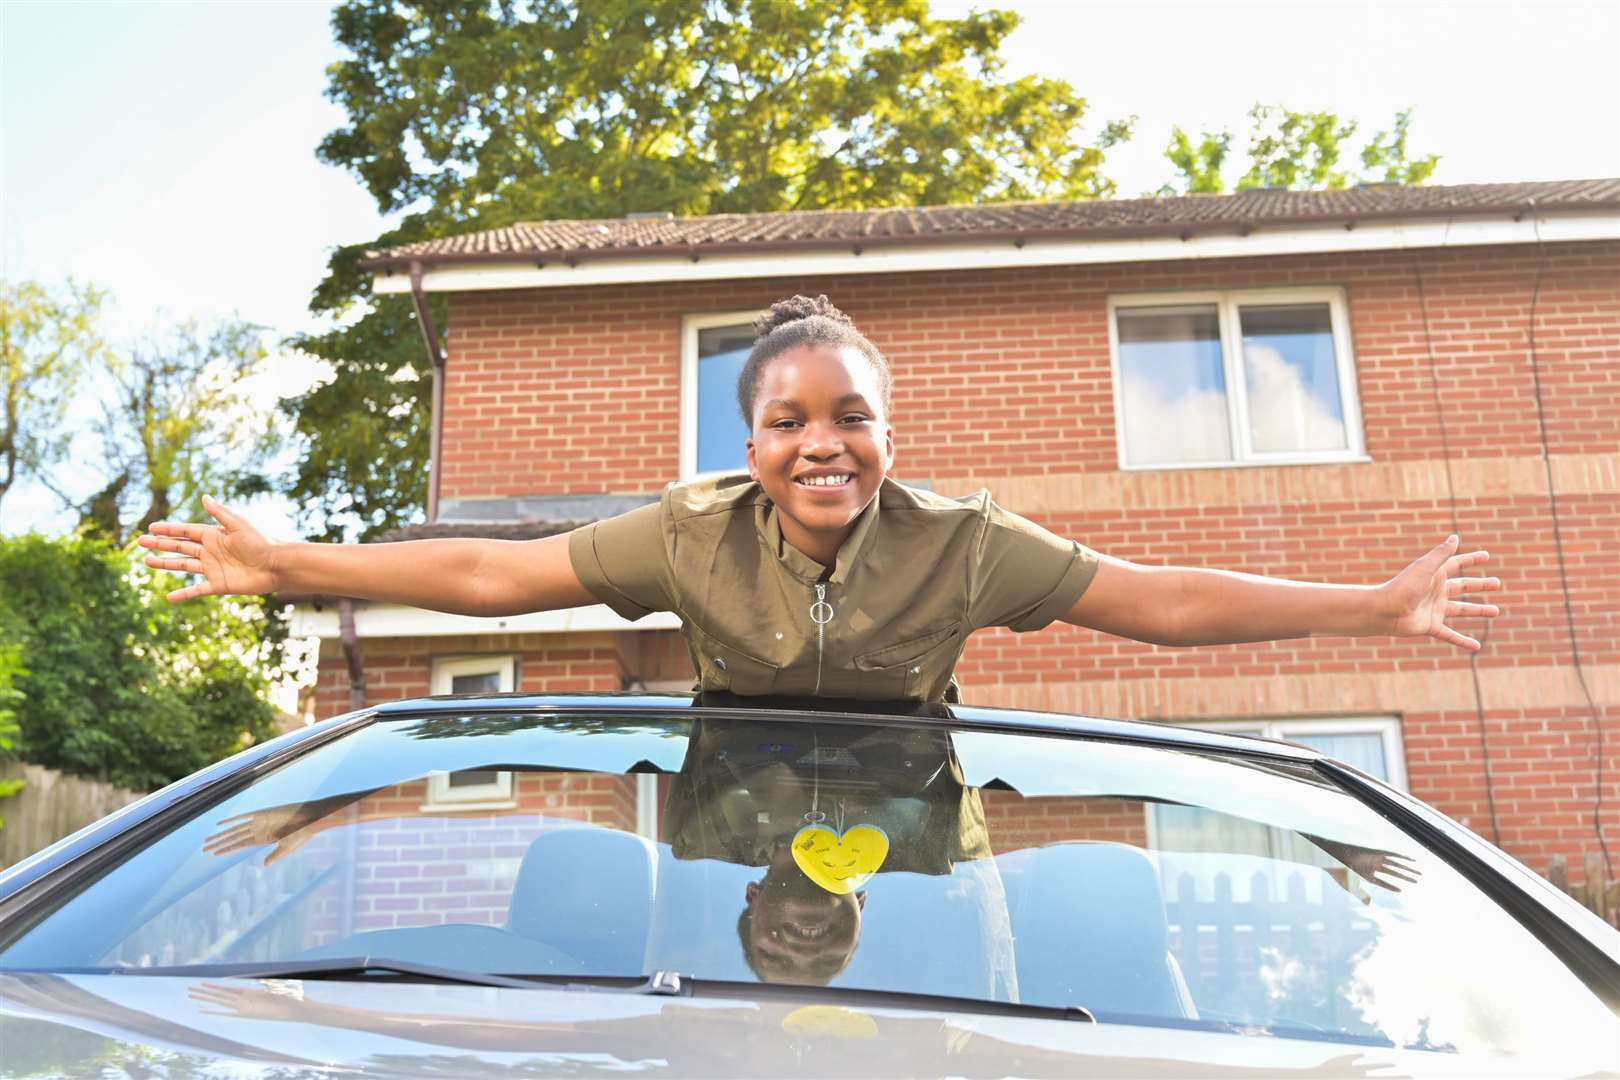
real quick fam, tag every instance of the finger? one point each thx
(171, 543)
(222, 513)
(1462, 610)
(180, 596)
(180, 564)
(186, 529)
(1459, 586)
(1451, 637)
(1465, 560)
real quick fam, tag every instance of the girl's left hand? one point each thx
(1423, 598)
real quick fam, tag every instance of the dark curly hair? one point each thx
(801, 320)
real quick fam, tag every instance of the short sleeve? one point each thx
(623, 563)
(1024, 576)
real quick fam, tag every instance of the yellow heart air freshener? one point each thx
(840, 864)
(834, 1020)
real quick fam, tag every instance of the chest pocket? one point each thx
(910, 669)
(724, 667)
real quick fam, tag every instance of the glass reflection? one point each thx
(721, 433)
(1292, 378)
(1173, 385)
(1145, 884)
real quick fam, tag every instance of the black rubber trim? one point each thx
(1589, 963)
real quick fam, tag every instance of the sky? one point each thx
(165, 151)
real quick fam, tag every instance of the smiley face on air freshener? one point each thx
(840, 864)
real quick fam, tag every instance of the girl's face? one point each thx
(821, 445)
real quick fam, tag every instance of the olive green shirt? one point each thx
(748, 786)
(919, 573)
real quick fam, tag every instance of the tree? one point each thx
(1295, 150)
(11, 667)
(178, 425)
(121, 685)
(476, 115)
(47, 340)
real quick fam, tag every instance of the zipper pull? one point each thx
(821, 612)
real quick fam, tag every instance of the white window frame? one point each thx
(492, 796)
(1388, 728)
(1227, 302)
(690, 325)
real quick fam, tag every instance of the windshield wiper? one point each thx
(675, 984)
(357, 967)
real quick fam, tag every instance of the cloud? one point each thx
(1192, 425)
(1283, 412)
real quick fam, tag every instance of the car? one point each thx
(549, 885)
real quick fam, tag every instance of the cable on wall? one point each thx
(1451, 495)
(1558, 545)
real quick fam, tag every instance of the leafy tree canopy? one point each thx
(117, 684)
(177, 425)
(48, 340)
(1295, 150)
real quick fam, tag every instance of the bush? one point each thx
(120, 685)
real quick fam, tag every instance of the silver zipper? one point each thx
(821, 613)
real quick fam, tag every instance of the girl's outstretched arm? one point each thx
(1171, 605)
(462, 576)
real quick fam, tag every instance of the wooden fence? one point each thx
(51, 805)
(1603, 898)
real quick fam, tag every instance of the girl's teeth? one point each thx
(825, 481)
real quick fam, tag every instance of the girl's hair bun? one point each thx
(795, 308)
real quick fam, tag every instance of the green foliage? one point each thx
(470, 115)
(11, 666)
(178, 425)
(120, 685)
(47, 342)
(1295, 151)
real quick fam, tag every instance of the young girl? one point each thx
(816, 574)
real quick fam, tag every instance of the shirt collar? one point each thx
(769, 525)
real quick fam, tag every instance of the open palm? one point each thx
(1425, 597)
(233, 557)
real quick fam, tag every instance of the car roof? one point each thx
(978, 717)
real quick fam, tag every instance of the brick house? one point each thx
(1314, 385)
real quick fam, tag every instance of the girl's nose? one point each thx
(822, 440)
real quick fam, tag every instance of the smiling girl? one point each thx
(817, 574)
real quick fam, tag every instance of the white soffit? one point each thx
(522, 273)
(397, 620)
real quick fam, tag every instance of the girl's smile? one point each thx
(821, 444)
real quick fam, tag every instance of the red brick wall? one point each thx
(1003, 379)
(397, 668)
(416, 868)
(1007, 372)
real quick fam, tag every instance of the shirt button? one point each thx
(719, 663)
(916, 671)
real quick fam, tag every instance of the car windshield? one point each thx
(1210, 889)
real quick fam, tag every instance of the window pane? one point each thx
(721, 433)
(1364, 750)
(1173, 385)
(473, 778)
(485, 682)
(1292, 379)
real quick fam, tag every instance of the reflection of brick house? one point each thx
(1304, 384)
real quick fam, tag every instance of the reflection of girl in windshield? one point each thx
(750, 792)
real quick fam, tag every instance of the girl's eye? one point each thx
(853, 418)
(784, 425)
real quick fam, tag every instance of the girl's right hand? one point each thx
(233, 556)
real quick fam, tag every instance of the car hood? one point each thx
(80, 1025)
